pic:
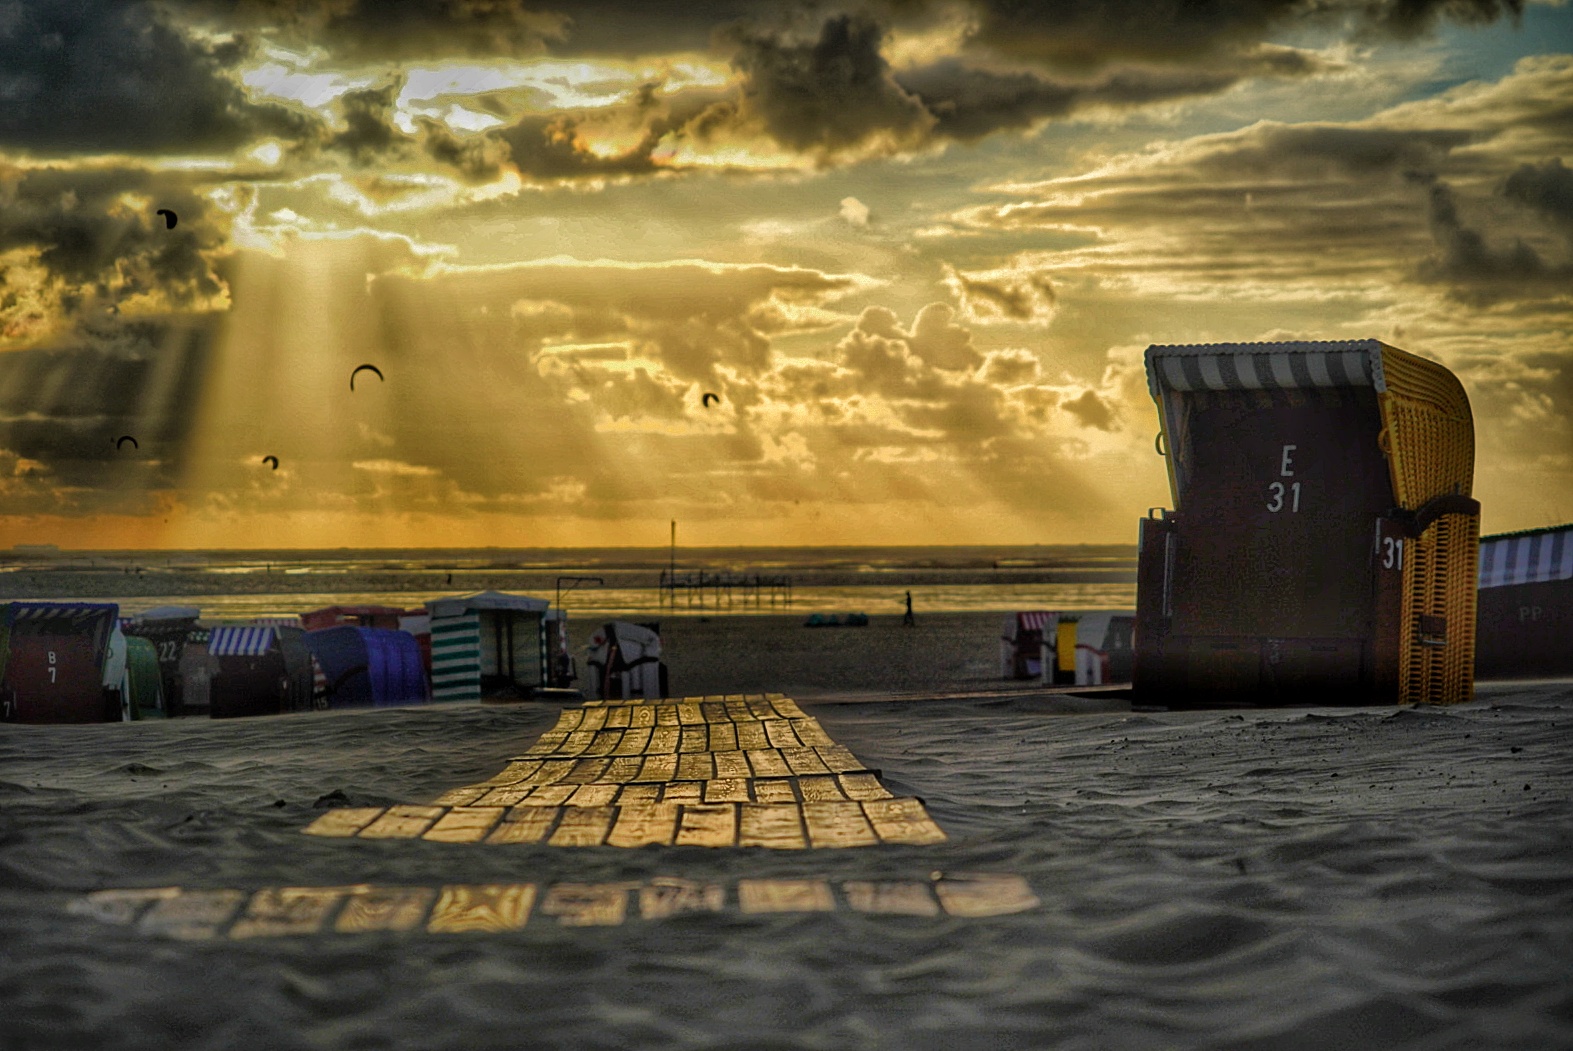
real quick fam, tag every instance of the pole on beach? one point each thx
(671, 578)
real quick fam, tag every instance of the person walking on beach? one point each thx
(909, 620)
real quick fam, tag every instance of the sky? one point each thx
(914, 248)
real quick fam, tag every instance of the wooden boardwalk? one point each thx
(734, 771)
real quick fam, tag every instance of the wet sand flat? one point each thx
(1286, 878)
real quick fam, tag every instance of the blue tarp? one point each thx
(369, 667)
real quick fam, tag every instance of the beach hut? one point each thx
(167, 628)
(1089, 648)
(145, 680)
(487, 643)
(624, 661)
(197, 668)
(1525, 622)
(418, 624)
(1322, 544)
(54, 669)
(360, 616)
(300, 686)
(369, 667)
(117, 690)
(251, 676)
(1021, 643)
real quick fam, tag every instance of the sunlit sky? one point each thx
(915, 248)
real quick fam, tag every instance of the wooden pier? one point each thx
(725, 588)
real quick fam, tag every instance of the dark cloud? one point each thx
(1547, 188)
(551, 147)
(1090, 34)
(63, 406)
(1092, 411)
(830, 94)
(368, 134)
(478, 158)
(393, 29)
(1477, 271)
(1017, 297)
(90, 76)
(96, 233)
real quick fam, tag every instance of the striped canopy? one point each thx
(1265, 366)
(74, 613)
(241, 642)
(1531, 557)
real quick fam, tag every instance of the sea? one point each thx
(591, 582)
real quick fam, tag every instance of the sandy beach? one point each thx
(1330, 877)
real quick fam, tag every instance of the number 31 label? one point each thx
(1279, 494)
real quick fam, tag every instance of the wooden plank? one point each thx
(643, 715)
(623, 769)
(774, 791)
(594, 719)
(369, 909)
(902, 821)
(402, 822)
(585, 771)
(663, 740)
(723, 737)
(587, 904)
(643, 824)
(838, 825)
(752, 736)
(604, 743)
(525, 825)
(820, 789)
(460, 796)
(785, 895)
(344, 821)
(726, 790)
(569, 719)
(897, 899)
(732, 764)
(583, 826)
(465, 824)
(278, 911)
(116, 906)
(576, 743)
(658, 768)
(839, 760)
(619, 718)
(489, 907)
(666, 715)
(515, 772)
(768, 763)
(804, 761)
(634, 742)
(862, 786)
(551, 772)
(512, 795)
(683, 792)
(714, 711)
(737, 710)
(778, 826)
(666, 896)
(694, 739)
(191, 915)
(689, 713)
(811, 733)
(707, 825)
(695, 766)
(594, 795)
(985, 895)
(786, 707)
(550, 795)
(546, 744)
(759, 706)
(781, 734)
(632, 794)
